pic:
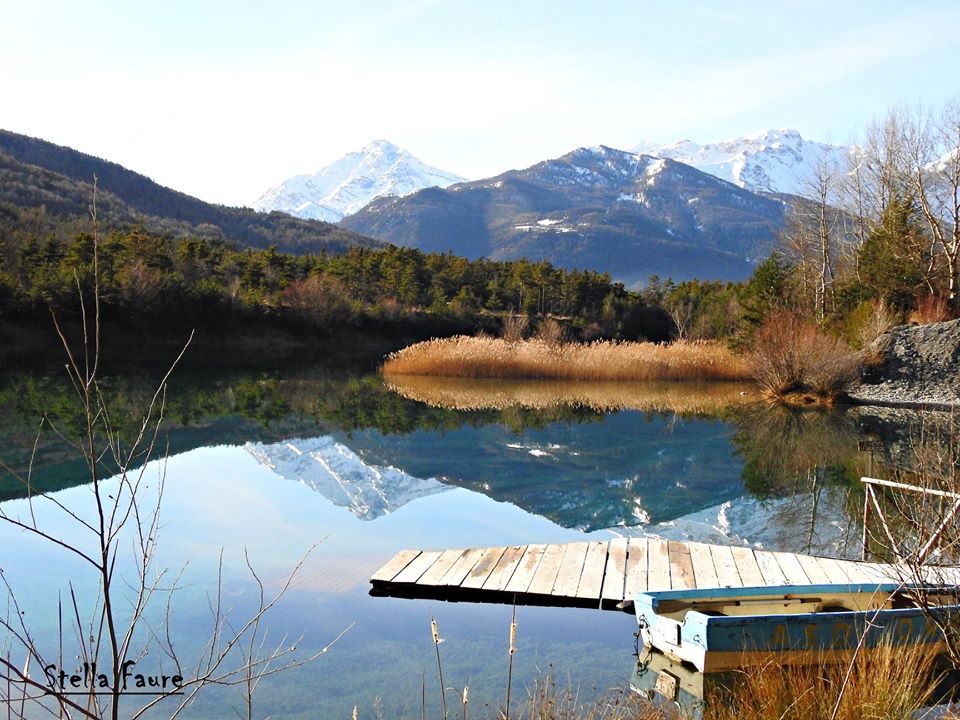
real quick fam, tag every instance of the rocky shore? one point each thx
(913, 366)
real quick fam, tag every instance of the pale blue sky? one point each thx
(224, 99)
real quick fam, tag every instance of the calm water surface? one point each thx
(276, 465)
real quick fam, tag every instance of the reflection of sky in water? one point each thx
(222, 498)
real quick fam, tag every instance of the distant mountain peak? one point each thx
(775, 160)
(346, 185)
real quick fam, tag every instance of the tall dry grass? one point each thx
(890, 683)
(790, 355)
(484, 357)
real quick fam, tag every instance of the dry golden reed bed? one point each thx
(483, 357)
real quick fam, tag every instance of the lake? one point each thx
(335, 459)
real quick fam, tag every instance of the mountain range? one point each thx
(346, 185)
(681, 210)
(773, 161)
(335, 471)
(630, 214)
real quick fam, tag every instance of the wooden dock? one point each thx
(603, 574)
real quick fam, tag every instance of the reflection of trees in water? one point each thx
(801, 456)
(230, 407)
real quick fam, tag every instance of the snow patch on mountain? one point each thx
(770, 161)
(797, 523)
(346, 185)
(340, 475)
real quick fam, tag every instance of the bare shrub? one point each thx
(515, 327)
(931, 309)
(320, 299)
(790, 355)
(551, 332)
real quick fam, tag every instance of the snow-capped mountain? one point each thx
(346, 185)
(771, 161)
(340, 475)
(625, 213)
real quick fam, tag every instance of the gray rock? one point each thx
(913, 365)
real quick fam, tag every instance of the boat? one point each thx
(721, 629)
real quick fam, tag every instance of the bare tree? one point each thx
(935, 171)
(116, 544)
(810, 239)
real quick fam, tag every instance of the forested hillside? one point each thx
(37, 174)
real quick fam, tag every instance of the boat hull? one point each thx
(790, 626)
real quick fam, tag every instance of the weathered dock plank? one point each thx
(770, 568)
(792, 569)
(681, 566)
(462, 567)
(658, 565)
(568, 577)
(726, 566)
(834, 570)
(440, 567)
(506, 566)
(412, 572)
(546, 573)
(814, 570)
(636, 580)
(485, 565)
(525, 569)
(747, 567)
(396, 564)
(704, 573)
(615, 574)
(594, 565)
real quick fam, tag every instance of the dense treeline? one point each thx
(160, 285)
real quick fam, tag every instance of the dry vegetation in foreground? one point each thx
(485, 357)
(891, 682)
(480, 394)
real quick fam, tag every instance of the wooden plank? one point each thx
(591, 580)
(485, 565)
(704, 573)
(412, 572)
(813, 569)
(568, 578)
(658, 561)
(635, 580)
(861, 572)
(435, 574)
(792, 569)
(726, 566)
(546, 574)
(615, 575)
(462, 567)
(498, 579)
(770, 568)
(747, 567)
(834, 571)
(525, 570)
(681, 566)
(397, 563)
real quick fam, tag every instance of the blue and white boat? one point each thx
(718, 629)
